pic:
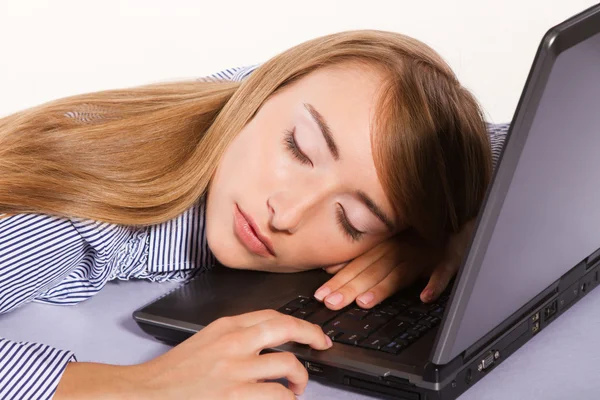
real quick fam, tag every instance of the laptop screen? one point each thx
(549, 220)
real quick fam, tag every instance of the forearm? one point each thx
(85, 380)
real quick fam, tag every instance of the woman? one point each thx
(357, 152)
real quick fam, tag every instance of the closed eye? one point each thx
(290, 143)
(353, 233)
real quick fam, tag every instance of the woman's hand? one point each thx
(221, 361)
(391, 266)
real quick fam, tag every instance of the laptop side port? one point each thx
(549, 311)
(535, 327)
(314, 368)
(489, 360)
(469, 376)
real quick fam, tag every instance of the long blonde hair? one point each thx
(153, 149)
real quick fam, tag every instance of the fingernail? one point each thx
(366, 298)
(428, 294)
(322, 292)
(328, 340)
(335, 299)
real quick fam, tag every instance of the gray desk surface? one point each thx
(559, 363)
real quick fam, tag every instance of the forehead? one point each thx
(346, 96)
(350, 83)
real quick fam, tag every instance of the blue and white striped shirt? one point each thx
(65, 261)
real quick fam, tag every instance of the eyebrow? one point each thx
(333, 149)
(324, 130)
(375, 210)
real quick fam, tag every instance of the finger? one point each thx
(263, 391)
(397, 279)
(441, 276)
(225, 325)
(348, 273)
(275, 366)
(364, 281)
(277, 331)
(252, 318)
(332, 269)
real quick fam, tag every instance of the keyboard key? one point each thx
(420, 308)
(287, 310)
(322, 316)
(418, 330)
(374, 344)
(391, 330)
(412, 332)
(348, 325)
(407, 337)
(300, 302)
(333, 334)
(411, 338)
(356, 313)
(350, 338)
(302, 313)
(409, 316)
(394, 347)
(438, 312)
(413, 313)
(402, 303)
(426, 321)
(378, 318)
(392, 310)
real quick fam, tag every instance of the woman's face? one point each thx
(303, 172)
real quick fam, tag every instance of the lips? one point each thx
(249, 234)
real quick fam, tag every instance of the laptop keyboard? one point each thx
(390, 326)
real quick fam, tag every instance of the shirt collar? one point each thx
(180, 243)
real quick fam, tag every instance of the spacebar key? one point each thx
(321, 316)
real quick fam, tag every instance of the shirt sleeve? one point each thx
(36, 251)
(30, 370)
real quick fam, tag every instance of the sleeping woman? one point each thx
(357, 152)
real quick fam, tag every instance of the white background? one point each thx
(55, 48)
(51, 49)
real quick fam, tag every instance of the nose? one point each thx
(288, 209)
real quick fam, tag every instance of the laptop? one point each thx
(534, 253)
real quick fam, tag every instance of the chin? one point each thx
(229, 256)
(230, 260)
(222, 251)
(226, 257)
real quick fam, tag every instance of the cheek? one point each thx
(267, 164)
(244, 160)
(323, 243)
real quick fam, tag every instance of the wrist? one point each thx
(101, 381)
